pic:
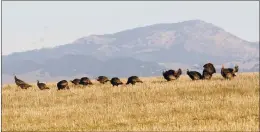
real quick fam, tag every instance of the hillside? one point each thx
(155, 46)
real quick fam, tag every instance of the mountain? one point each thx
(140, 51)
(70, 65)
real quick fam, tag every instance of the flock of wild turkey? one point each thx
(208, 71)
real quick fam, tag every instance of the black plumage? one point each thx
(194, 75)
(63, 84)
(75, 81)
(21, 83)
(133, 80)
(206, 75)
(103, 79)
(172, 75)
(234, 70)
(85, 81)
(209, 67)
(229, 73)
(115, 81)
(42, 86)
(208, 71)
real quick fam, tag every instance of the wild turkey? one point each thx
(235, 69)
(208, 71)
(21, 84)
(206, 75)
(133, 80)
(63, 84)
(42, 86)
(172, 75)
(85, 81)
(115, 81)
(194, 75)
(229, 73)
(209, 67)
(103, 79)
(75, 81)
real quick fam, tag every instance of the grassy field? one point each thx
(181, 105)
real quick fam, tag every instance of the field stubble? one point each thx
(181, 105)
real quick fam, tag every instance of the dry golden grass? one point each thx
(182, 105)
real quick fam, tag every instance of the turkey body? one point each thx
(194, 75)
(133, 80)
(21, 83)
(115, 81)
(42, 86)
(172, 75)
(63, 84)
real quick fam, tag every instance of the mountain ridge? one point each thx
(188, 42)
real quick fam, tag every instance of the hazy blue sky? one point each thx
(30, 25)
